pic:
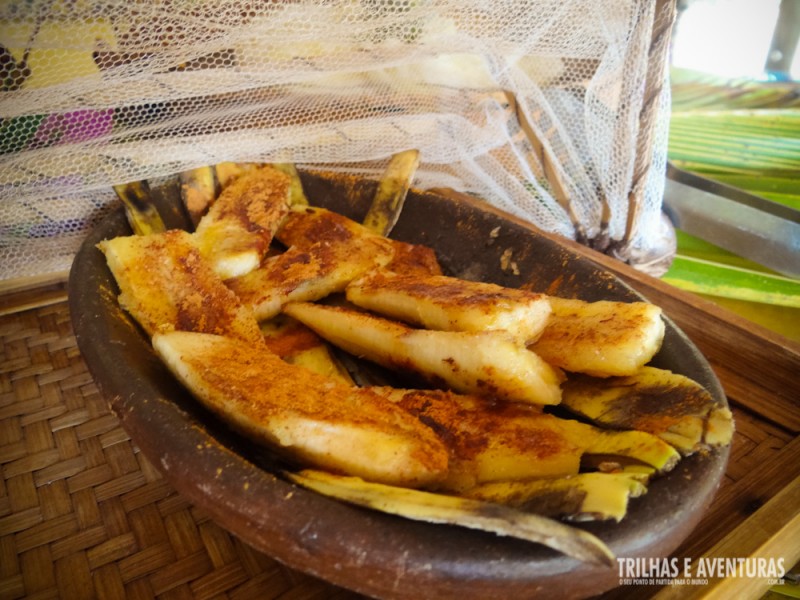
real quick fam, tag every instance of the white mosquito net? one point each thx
(554, 110)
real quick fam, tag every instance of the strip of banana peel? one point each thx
(673, 407)
(139, 210)
(199, 188)
(640, 446)
(392, 191)
(297, 196)
(465, 512)
(582, 497)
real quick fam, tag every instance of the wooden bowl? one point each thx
(370, 552)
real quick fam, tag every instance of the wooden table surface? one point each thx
(83, 513)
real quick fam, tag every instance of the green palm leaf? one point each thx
(745, 134)
(693, 90)
(717, 279)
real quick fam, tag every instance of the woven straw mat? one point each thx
(82, 513)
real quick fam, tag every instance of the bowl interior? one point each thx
(370, 552)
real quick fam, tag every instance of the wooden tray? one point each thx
(81, 509)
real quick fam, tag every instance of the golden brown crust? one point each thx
(492, 440)
(257, 201)
(309, 225)
(167, 285)
(302, 274)
(602, 338)
(236, 232)
(472, 424)
(293, 338)
(452, 304)
(485, 362)
(414, 260)
(450, 291)
(274, 402)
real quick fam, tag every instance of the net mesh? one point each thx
(540, 107)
